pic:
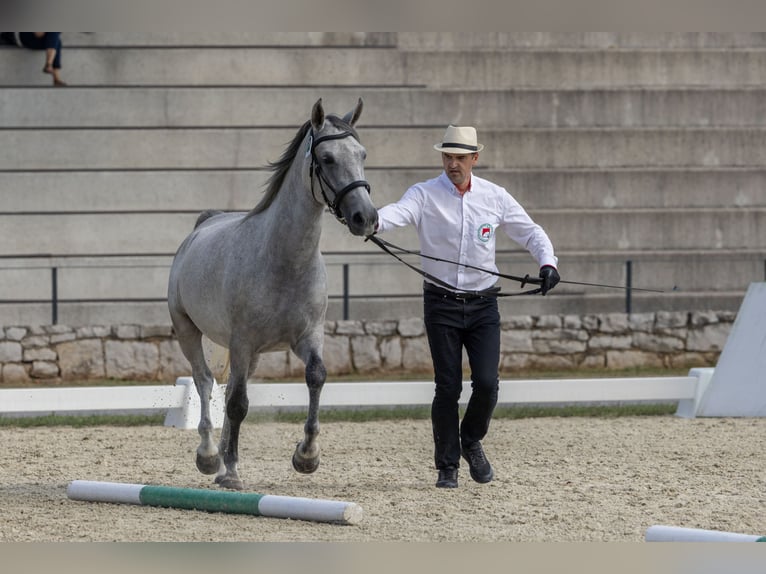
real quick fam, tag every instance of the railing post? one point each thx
(628, 285)
(345, 291)
(54, 296)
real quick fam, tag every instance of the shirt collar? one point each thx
(454, 188)
(470, 185)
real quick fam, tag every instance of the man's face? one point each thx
(458, 167)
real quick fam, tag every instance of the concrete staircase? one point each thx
(644, 147)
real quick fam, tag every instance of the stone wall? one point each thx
(610, 341)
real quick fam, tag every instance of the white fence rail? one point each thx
(181, 403)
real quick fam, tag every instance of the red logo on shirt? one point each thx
(485, 232)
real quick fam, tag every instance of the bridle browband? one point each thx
(315, 168)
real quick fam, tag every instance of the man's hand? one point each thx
(550, 278)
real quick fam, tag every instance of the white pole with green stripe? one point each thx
(216, 501)
(661, 533)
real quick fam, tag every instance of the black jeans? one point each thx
(453, 324)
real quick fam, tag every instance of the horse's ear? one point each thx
(353, 116)
(317, 116)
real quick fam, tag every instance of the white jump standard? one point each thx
(217, 501)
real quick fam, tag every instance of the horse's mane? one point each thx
(282, 165)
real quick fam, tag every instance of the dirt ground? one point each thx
(557, 479)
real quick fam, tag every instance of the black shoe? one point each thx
(447, 478)
(481, 470)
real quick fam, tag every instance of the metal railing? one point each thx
(345, 296)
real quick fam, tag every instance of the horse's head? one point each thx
(338, 167)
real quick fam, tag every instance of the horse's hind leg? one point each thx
(190, 340)
(306, 456)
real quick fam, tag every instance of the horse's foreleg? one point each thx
(306, 456)
(237, 405)
(208, 459)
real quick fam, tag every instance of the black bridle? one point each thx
(315, 168)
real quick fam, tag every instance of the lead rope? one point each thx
(388, 247)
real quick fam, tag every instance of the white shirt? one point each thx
(462, 228)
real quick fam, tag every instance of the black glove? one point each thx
(550, 278)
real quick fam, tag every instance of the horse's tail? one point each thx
(205, 215)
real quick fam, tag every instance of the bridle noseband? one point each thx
(315, 168)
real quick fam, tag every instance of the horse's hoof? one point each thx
(305, 465)
(230, 482)
(209, 464)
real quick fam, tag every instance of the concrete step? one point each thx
(626, 230)
(449, 41)
(240, 190)
(558, 68)
(655, 229)
(364, 66)
(176, 40)
(118, 233)
(635, 188)
(454, 41)
(249, 148)
(236, 66)
(283, 107)
(609, 188)
(94, 234)
(130, 191)
(575, 230)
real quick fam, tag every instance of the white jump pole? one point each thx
(660, 533)
(217, 501)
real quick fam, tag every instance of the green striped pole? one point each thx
(216, 501)
(659, 533)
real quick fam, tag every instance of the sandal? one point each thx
(59, 83)
(48, 69)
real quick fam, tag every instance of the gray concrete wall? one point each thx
(247, 106)
(450, 41)
(249, 148)
(640, 146)
(160, 233)
(41, 192)
(556, 67)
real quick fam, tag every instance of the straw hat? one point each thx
(459, 140)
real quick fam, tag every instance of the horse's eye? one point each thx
(328, 160)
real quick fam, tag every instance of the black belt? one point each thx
(462, 295)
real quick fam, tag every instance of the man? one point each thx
(457, 215)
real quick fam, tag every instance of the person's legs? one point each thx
(482, 344)
(446, 354)
(52, 42)
(443, 320)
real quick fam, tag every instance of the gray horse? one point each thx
(249, 287)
